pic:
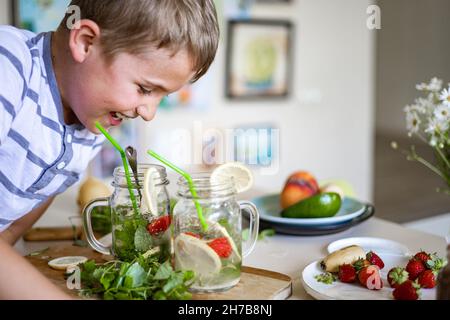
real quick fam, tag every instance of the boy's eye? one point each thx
(144, 91)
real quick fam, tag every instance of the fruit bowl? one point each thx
(352, 212)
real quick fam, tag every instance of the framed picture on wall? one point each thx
(38, 15)
(258, 60)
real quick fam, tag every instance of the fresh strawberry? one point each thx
(408, 290)
(360, 264)
(422, 256)
(373, 258)
(397, 276)
(221, 246)
(159, 225)
(427, 279)
(414, 268)
(347, 273)
(370, 277)
(193, 235)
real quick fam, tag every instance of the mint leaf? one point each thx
(326, 277)
(175, 280)
(266, 233)
(106, 280)
(164, 271)
(142, 278)
(261, 236)
(245, 234)
(135, 276)
(142, 239)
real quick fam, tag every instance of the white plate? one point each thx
(377, 245)
(354, 291)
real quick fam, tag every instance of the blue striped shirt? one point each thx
(40, 156)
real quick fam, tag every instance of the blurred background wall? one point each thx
(326, 125)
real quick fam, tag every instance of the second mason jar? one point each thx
(213, 253)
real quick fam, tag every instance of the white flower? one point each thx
(433, 141)
(435, 85)
(445, 96)
(442, 112)
(437, 127)
(412, 122)
(423, 105)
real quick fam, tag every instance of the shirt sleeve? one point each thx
(13, 79)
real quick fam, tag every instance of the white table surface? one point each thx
(290, 254)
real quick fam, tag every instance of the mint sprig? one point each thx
(141, 279)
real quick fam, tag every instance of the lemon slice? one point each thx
(243, 177)
(194, 254)
(222, 230)
(63, 263)
(150, 197)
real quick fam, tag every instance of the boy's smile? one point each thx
(130, 86)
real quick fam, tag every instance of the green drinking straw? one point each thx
(125, 164)
(190, 184)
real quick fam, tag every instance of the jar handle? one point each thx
(254, 225)
(87, 224)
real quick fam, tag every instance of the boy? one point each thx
(117, 62)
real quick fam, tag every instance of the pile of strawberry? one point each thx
(367, 271)
(420, 272)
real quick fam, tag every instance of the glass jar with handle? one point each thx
(141, 229)
(215, 254)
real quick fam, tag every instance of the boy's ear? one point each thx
(81, 39)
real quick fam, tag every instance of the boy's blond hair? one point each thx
(132, 25)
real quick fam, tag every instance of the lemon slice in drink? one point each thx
(149, 193)
(194, 254)
(65, 262)
(242, 176)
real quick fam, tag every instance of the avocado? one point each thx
(319, 206)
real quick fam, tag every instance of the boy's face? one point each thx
(131, 86)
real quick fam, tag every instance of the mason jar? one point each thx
(136, 229)
(214, 253)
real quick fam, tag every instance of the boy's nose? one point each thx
(146, 112)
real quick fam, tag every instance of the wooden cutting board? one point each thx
(255, 284)
(53, 234)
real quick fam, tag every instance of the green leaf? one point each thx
(164, 271)
(159, 295)
(89, 266)
(106, 280)
(108, 296)
(174, 281)
(245, 234)
(266, 233)
(122, 296)
(326, 277)
(142, 239)
(185, 295)
(189, 275)
(137, 275)
(143, 278)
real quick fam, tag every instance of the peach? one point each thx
(299, 186)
